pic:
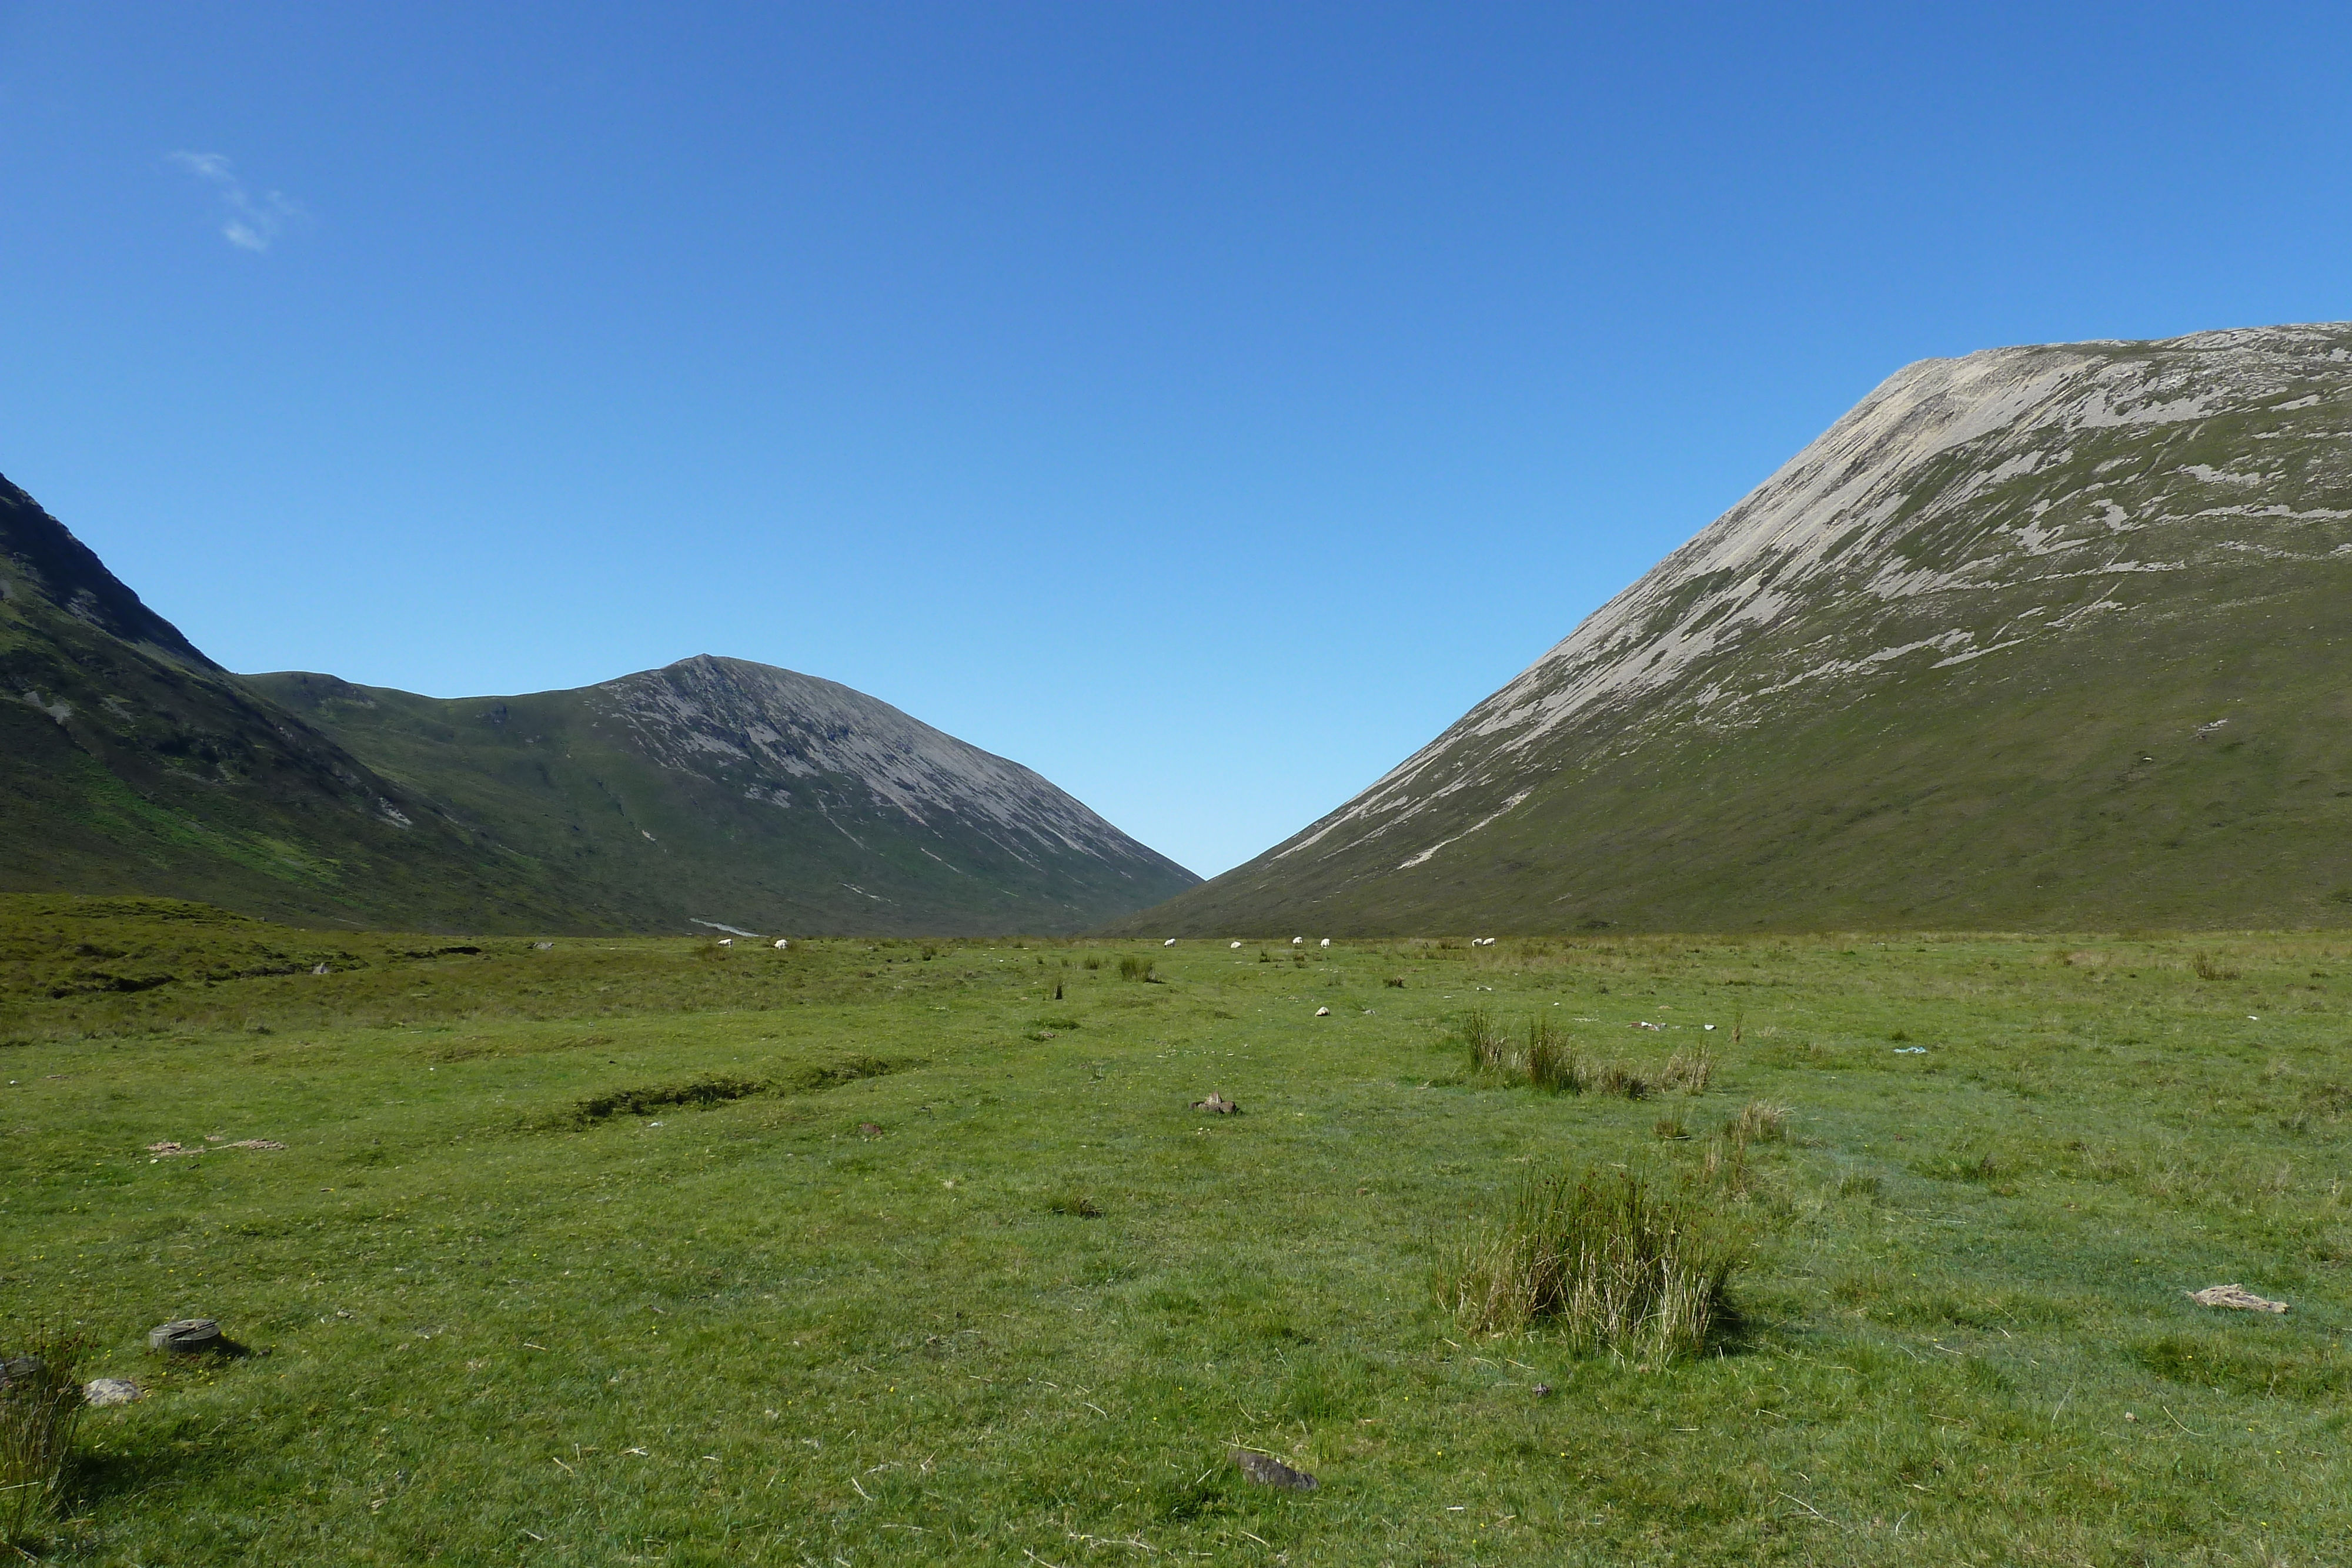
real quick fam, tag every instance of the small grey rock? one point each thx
(109, 1391)
(185, 1336)
(20, 1369)
(1269, 1471)
(1543, 1390)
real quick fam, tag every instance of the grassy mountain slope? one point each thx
(2037, 637)
(712, 791)
(720, 790)
(129, 762)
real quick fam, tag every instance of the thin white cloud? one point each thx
(253, 221)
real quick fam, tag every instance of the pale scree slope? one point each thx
(2153, 536)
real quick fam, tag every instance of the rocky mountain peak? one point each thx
(40, 556)
(773, 731)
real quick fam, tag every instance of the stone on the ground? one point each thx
(1269, 1471)
(109, 1391)
(185, 1336)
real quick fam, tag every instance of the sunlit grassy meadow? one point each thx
(653, 1251)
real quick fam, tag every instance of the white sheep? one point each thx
(782, 943)
(1296, 941)
(1169, 943)
(1327, 941)
(727, 941)
(1237, 947)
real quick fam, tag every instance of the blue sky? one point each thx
(1203, 404)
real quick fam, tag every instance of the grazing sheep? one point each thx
(1237, 947)
(1327, 941)
(1296, 941)
(727, 941)
(1169, 943)
(782, 943)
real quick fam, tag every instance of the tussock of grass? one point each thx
(1552, 1064)
(1545, 1058)
(1758, 1121)
(1134, 968)
(1692, 1071)
(1605, 1258)
(40, 1404)
(1489, 1047)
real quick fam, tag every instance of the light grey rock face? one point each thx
(2006, 505)
(797, 742)
(107, 1391)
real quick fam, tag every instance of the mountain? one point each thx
(132, 763)
(2037, 638)
(722, 791)
(713, 791)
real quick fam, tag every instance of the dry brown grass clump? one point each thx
(1758, 1121)
(1688, 1070)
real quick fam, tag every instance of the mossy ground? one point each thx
(491, 1327)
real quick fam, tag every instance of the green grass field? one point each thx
(527, 1285)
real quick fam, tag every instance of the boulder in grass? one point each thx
(105, 1391)
(1269, 1471)
(185, 1336)
(1216, 1104)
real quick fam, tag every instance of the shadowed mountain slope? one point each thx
(2038, 637)
(713, 791)
(132, 763)
(719, 790)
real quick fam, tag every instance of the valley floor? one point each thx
(655, 1251)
